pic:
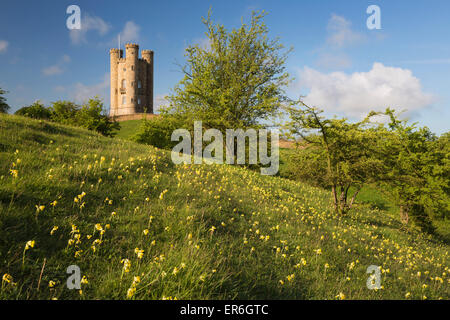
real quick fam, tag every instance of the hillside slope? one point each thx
(140, 227)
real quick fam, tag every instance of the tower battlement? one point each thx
(131, 81)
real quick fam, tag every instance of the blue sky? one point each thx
(337, 62)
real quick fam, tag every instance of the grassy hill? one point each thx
(141, 227)
(128, 129)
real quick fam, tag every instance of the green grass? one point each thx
(128, 129)
(214, 232)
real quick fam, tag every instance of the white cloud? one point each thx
(340, 33)
(333, 61)
(59, 89)
(3, 46)
(81, 92)
(66, 58)
(88, 22)
(52, 70)
(358, 93)
(130, 32)
(159, 101)
(57, 68)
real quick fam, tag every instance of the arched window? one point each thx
(139, 101)
(124, 83)
(139, 84)
(124, 99)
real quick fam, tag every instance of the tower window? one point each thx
(124, 99)
(139, 100)
(132, 67)
(139, 84)
(124, 84)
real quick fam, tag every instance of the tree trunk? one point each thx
(354, 197)
(335, 198)
(404, 216)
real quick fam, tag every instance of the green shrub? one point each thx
(36, 111)
(64, 112)
(91, 117)
(158, 131)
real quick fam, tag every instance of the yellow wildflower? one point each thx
(53, 230)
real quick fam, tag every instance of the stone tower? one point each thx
(131, 81)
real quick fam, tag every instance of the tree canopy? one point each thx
(4, 107)
(235, 81)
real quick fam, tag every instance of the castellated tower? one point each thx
(131, 81)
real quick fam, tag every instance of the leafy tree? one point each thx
(416, 166)
(338, 154)
(4, 107)
(91, 116)
(36, 111)
(234, 82)
(64, 112)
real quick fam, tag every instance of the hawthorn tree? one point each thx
(235, 81)
(339, 154)
(416, 172)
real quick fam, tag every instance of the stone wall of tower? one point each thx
(114, 56)
(131, 81)
(142, 96)
(131, 65)
(147, 56)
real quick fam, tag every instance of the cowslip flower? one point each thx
(52, 232)
(29, 244)
(78, 253)
(139, 252)
(341, 296)
(14, 173)
(126, 265)
(131, 292)
(136, 280)
(7, 278)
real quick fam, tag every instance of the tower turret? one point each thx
(114, 55)
(147, 56)
(131, 65)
